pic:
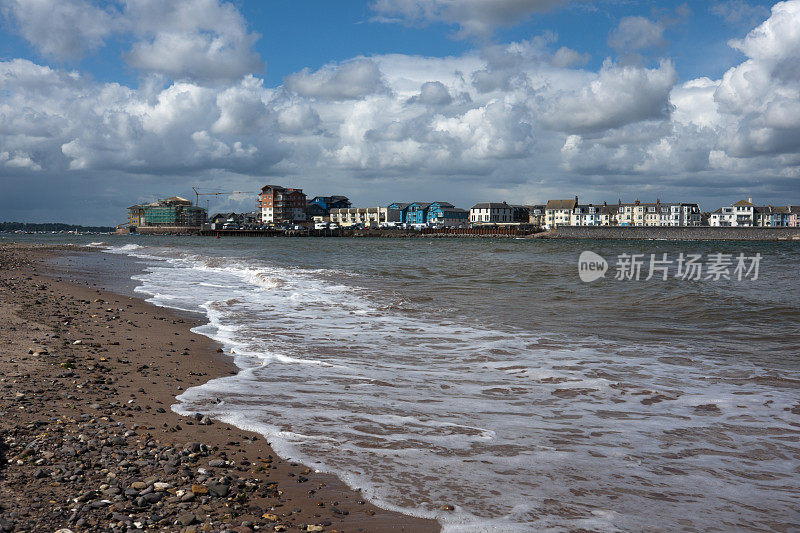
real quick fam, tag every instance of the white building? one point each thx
(680, 214)
(742, 213)
(559, 213)
(491, 213)
(366, 216)
(585, 215)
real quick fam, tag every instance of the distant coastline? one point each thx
(685, 233)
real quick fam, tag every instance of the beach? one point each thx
(88, 440)
(480, 385)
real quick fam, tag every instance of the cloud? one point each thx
(618, 95)
(519, 121)
(566, 57)
(297, 118)
(432, 93)
(762, 93)
(61, 29)
(475, 18)
(203, 40)
(634, 34)
(194, 39)
(94, 126)
(739, 12)
(351, 80)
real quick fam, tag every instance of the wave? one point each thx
(499, 422)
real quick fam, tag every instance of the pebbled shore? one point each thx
(88, 441)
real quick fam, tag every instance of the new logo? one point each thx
(591, 266)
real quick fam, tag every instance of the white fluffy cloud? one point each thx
(763, 93)
(61, 29)
(351, 80)
(196, 39)
(619, 95)
(520, 121)
(474, 17)
(182, 39)
(636, 33)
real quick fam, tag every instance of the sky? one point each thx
(107, 104)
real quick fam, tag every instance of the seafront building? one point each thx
(280, 205)
(447, 215)
(571, 213)
(491, 213)
(559, 213)
(364, 216)
(234, 220)
(320, 206)
(536, 215)
(431, 214)
(170, 212)
(746, 214)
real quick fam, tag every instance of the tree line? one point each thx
(52, 226)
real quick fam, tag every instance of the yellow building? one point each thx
(559, 212)
(136, 215)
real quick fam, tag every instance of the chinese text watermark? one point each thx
(695, 267)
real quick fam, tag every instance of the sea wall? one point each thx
(701, 233)
(168, 230)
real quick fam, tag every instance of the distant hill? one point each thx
(52, 226)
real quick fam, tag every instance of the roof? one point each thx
(178, 199)
(401, 205)
(443, 204)
(562, 204)
(491, 205)
(742, 203)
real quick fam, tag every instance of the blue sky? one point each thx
(478, 100)
(312, 33)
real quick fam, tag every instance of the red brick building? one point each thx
(279, 205)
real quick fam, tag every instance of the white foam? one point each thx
(418, 412)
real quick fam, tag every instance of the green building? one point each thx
(175, 211)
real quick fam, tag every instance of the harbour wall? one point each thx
(695, 233)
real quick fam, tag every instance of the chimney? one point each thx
(750, 199)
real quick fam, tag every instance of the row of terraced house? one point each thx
(277, 205)
(572, 213)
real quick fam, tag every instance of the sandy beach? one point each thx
(87, 438)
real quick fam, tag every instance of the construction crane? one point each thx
(198, 194)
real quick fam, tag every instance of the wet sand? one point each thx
(87, 438)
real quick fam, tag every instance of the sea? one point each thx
(485, 375)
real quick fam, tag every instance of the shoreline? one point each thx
(88, 437)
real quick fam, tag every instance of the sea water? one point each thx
(484, 374)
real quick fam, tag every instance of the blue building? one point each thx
(429, 213)
(403, 208)
(326, 203)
